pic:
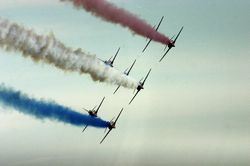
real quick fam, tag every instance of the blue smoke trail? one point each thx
(42, 109)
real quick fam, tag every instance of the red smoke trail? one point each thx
(114, 14)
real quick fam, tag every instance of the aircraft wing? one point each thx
(118, 115)
(100, 60)
(133, 97)
(100, 104)
(146, 45)
(131, 67)
(85, 110)
(164, 55)
(115, 56)
(156, 29)
(146, 77)
(105, 136)
(116, 89)
(84, 128)
(159, 23)
(178, 34)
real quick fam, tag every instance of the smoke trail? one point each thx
(109, 12)
(51, 51)
(42, 109)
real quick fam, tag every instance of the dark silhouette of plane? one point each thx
(140, 86)
(93, 112)
(171, 44)
(111, 125)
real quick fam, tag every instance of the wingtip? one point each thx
(160, 60)
(182, 28)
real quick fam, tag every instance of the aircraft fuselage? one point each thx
(92, 113)
(171, 44)
(140, 87)
(111, 125)
(108, 63)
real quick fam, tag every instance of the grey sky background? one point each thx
(195, 109)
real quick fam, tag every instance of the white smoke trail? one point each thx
(49, 50)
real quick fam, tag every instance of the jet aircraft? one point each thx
(111, 125)
(110, 62)
(126, 72)
(140, 86)
(93, 112)
(171, 44)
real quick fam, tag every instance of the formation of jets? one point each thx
(111, 124)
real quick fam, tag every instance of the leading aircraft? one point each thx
(171, 44)
(140, 86)
(111, 61)
(126, 72)
(111, 125)
(93, 112)
(155, 30)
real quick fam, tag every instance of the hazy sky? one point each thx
(195, 109)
